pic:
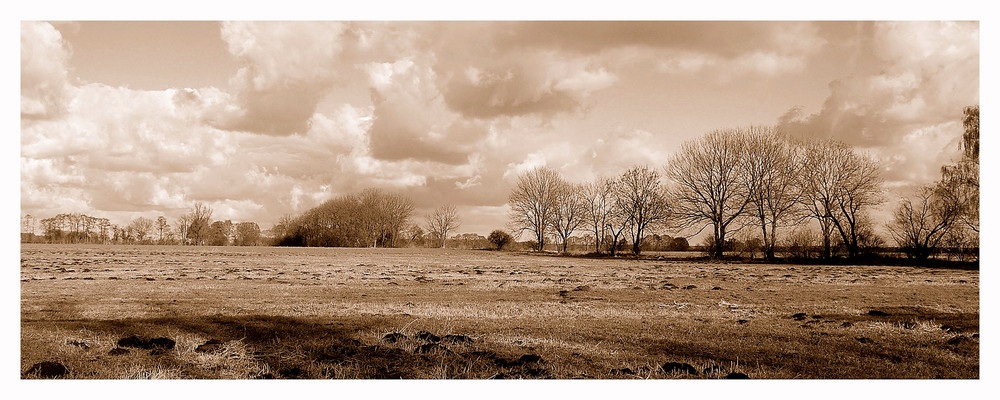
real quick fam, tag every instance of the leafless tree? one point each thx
(200, 217)
(839, 185)
(104, 226)
(414, 234)
(141, 227)
(861, 190)
(920, 226)
(161, 226)
(442, 220)
(618, 222)
(570, 210)
(643, 200)
(533, 202)
(182, 224)
(383, 215)
(771, 170)
(28, 224)
(707, 189)
(599, 198)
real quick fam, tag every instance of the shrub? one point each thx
(499, 239)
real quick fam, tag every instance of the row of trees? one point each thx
(729, 180)
(194, 228)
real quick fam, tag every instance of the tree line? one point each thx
(752, 179)
(193, 228)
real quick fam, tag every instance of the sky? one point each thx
(264, 119)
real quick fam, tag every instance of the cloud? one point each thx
(45, 86)
(410, 121)
(285, 70)
(541, 83)
(929, 73)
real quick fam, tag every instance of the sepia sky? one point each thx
(127, 119)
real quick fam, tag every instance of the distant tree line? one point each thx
(193, 228)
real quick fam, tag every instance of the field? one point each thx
(231, 312)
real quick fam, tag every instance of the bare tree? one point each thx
(643, 200)
(920, 226)
(839, 185)
(415, 235)
(104, 227)
(861, 190)
(570, 210)
(707, 189)
(533, 202)
(140, 227)
(442, 220)
(617, 223)
(599, 198)
(199, 217)
(820, 186)
(771, 179)
(383, 215)
(161, 226)
(397, 212)
(28, 224)
(182, 225)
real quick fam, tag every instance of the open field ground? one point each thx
(232, 312)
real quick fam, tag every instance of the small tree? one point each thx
(444, 219)
(161, 226)
(499, 239)
(599, 197)
(920, 227)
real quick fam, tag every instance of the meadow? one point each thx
(169, 312)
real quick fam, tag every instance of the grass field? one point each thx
(331, 313)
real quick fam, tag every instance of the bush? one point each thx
(499, 239)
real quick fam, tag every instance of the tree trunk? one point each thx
(720, 240)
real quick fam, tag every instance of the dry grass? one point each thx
(323, 313)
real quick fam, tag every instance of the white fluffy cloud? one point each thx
(908, 111)
(45, 85)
